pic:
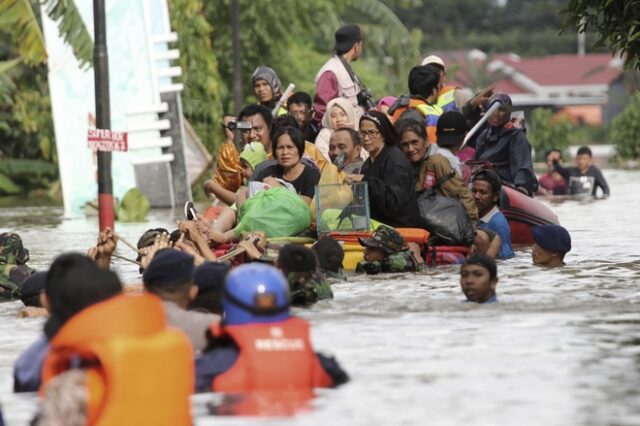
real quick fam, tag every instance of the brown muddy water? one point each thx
(561, 348)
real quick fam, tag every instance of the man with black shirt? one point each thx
(585, 176)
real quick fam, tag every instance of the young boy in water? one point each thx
(478, 278)
(552, 243)
(584, 168)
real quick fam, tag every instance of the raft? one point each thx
(523, 213)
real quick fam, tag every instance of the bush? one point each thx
(625, 130)
(548, 132)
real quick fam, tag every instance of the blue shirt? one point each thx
(27, 371)
(496, 222)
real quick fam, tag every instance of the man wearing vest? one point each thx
(260, 347)
(337, 79)
(421, 101)
(446, 93)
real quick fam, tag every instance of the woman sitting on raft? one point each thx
(288, 148)
(434, 163)
(388, 173)
(340, 114)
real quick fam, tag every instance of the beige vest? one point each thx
(346, 87)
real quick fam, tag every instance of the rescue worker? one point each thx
(330, 257)
(259, 346)
(446, 93)
(478, 278)
(73, 283)
(118, 362)
(506, 148)
(420, 103)
(552, 243)
(13, 267)
(170, 277)
(336, 78)
(307, 283)
(385, 251)
(485, 188)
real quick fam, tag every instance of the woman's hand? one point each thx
(349, 179)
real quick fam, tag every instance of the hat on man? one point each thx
(554, 238)
(167, 268)
(434, 60)
(451, 128)
(503, 99)
(346, 37)
(385, 238)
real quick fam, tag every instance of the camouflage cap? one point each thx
(12, 250)
(386, 238)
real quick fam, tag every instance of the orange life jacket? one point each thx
(138, 370)
(273, 357)
(429, 112)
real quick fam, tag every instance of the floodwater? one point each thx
(561, 348)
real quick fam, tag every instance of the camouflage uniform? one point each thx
(308, 287)
(397, 259)
(13, 270)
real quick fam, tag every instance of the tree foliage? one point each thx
(625, 130)
(548, 132)
(617, 23)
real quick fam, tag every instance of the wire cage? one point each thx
(342, 207)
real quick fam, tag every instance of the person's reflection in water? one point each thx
(260, 355)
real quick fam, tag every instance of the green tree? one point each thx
(625, 130)
(548, 132)
(616, 23)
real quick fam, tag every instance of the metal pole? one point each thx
(485, 117)
(237, 58)
(103, 116)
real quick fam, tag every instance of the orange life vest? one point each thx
(273, 357)
(138, 370)
(429, 112)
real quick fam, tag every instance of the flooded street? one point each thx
(561, 348)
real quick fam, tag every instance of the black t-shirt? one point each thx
(304, 184)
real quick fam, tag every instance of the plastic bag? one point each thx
(446, 220)
(277, 212)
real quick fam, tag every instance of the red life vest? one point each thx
(273, 357)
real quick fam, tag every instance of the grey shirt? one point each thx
(193, 324)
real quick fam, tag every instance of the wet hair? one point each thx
(491, 177)
(330, 254)
(410, 125)
(250, 110)
(552, 150)
(209, 277)
(296, 137)
(73, 283)
(584, 150)
(423, 79)
(282, 121)
(300, 98)
(483, 260)
(384, 126)
(355, 138)
(296, 258)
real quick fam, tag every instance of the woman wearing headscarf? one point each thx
(340, 114)
(388, 173)
(506, 148)
(266, 86)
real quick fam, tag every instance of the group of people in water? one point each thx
(237, 334)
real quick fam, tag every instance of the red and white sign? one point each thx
(107, 140)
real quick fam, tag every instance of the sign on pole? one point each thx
(107, 140)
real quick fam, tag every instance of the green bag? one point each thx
(277, 212)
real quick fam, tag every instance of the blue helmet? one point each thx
(255, 293)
